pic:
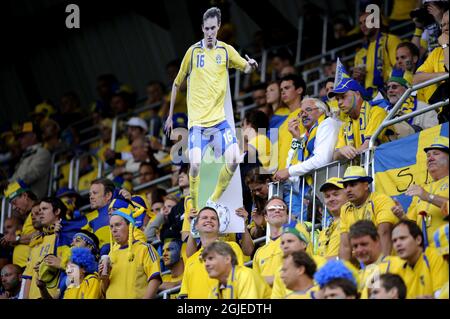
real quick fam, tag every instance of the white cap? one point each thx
(136, 121)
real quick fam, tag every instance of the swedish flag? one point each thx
(403, 162)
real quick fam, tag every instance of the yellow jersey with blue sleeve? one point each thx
(330, 240)
(129, 279)
(90, 288)
(196, 283)
(427, 277)
(377, 208)
(279, 290)
(44, 246)
(309, 293)
(242, 283)
(434, 218)
(21, 252)
(207, 81)
(433, 64)
(354, 132)
(368, 274)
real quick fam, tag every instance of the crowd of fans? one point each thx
(134, 240)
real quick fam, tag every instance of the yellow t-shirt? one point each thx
(361, 129)
(261, 144)
(170, 278)
(428, 276)
(285, 140)
(279, 290)
(90, 288)
(268, 258)
(433, 64)
(384, 264)
(21, 252)
(377, 208)
(387, 49)
(129, 279)
(196, 283)
(307, 294)
(242, 283)
(434, 218)
(329, 240)
(207, 72)
(37, 254)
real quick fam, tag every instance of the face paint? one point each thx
(171, 253)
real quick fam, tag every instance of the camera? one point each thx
(422, 16)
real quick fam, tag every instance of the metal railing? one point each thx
(390, 120)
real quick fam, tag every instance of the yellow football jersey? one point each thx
(242, 283)
(330, 239)
(90, 288)
(387, 49)
(427, 277)
(37, 254)
(434, 218)
(279, 290)
(207, 83)
(196, 283)
(377, 208)
(261, 144)
(268, 258)
(129, 279)
(285, 140)
(306, 294)
(355, 132)
(384, 264)
(433, 64)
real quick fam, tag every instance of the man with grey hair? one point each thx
(234, 281)
(206, 65)
(315, 148)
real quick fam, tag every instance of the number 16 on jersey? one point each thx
(200, 61)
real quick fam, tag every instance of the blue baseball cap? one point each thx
(347, 84)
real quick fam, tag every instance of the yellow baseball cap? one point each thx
(440, 143)
(440, 238)
(298, 230)
(334, 181)
(356, 173)
(44, 108)
(16, 188)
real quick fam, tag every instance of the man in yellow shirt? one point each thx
(334, 198)
(234, 281)
(425, 272)
(362, 121)
(51, 249)
(196, 283)
(425, 208)
(374, 61)
(134, 269)
(22, 200)
(295, 238)
(206, 65)
(267, 258)
(297, 274)
(365, 205)
(388, 286)
(436, 64)
(366, 247)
